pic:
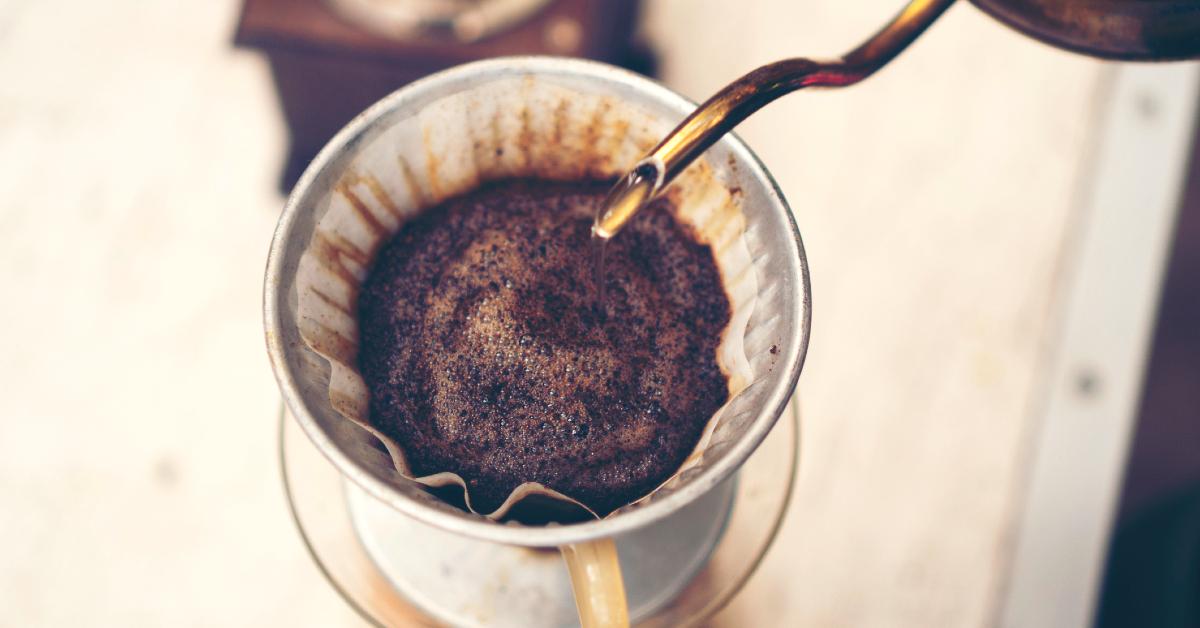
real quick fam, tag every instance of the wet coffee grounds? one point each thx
(488, 354)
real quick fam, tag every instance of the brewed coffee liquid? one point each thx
(487, 353)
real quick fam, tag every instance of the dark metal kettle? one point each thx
(1131, 30)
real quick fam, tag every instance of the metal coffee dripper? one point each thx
(531, 116)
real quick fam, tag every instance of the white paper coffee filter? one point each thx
(550, 127)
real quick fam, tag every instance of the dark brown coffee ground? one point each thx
(486, 354)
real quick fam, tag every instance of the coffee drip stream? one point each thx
(632, 192)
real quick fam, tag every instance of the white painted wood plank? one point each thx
(1095, 379)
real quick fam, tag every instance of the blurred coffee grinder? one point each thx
(331, 59)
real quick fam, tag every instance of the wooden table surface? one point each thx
(138, 481)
